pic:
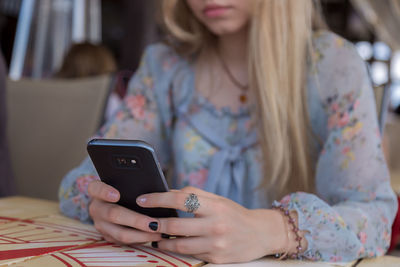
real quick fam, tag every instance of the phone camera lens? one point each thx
(126, 162)
(121, 161)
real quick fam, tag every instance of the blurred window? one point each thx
(46, 29)
(384, 66)
(379, 57)
(379, 73)
(395, 71)
(395, 76)
(365, 50)
(395, 99)
(382, 51)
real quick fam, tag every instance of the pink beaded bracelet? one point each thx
(295, 230)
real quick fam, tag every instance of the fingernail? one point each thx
(165, 236)
(141, 200)
(153, 226)
(154, 244)
(112, 195)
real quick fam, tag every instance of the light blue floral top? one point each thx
(351, 214)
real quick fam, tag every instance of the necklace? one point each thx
(243, 87)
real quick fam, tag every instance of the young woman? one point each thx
(247, 105)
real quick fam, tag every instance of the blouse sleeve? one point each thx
(145, 114)
(351, 214)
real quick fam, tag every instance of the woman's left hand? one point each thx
(222, 231)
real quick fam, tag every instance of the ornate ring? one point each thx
(192, 203)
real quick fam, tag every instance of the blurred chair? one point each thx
(7, 185)
(393, 157)
(50, 122)
(391, 149)
(382, 99)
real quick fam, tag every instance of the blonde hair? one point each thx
(278, 48)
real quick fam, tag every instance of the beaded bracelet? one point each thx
(295, 230)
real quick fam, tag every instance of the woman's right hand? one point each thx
(116, 223)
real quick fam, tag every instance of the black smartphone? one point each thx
(131, 167)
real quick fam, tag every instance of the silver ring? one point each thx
(192, 203)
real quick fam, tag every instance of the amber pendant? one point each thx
(243, 98)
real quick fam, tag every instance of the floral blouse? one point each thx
(351, 213)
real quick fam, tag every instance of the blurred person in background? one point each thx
(269, 125)
(89, 60)
(86, 60)
(7, 186)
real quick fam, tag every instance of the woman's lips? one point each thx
(213, 11)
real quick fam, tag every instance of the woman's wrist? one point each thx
(282, 232)
(276, 232)
(271, 227)
(296, 242)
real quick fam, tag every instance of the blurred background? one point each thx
(68, 63)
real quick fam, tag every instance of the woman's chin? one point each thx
(224, 31)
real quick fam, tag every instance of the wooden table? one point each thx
(34, 233)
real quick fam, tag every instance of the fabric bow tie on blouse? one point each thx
(227, 175)
(228, 168)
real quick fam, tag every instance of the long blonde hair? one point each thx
(278, 48)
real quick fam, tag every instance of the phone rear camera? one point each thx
(121, 161)
(125, 162)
